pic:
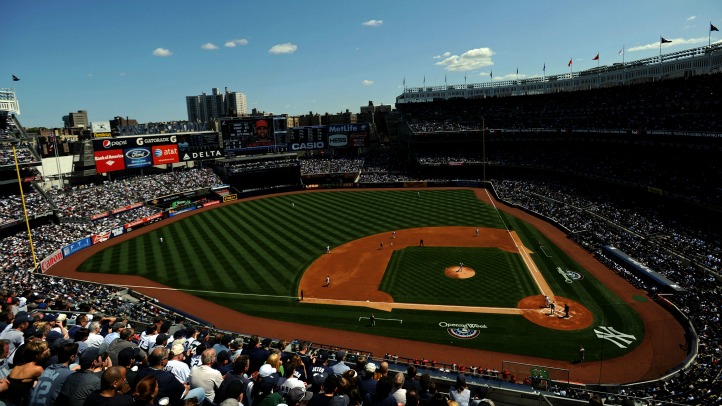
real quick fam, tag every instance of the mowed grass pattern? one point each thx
(234, 253)
(263, 246)
(416, 275)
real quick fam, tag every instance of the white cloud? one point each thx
(372, 23)
(511, 76)
(209, 46)
(690, 18)
(235, 42)
(675, 41)
(287, 48)
(367, 82)
(469, 60)
(444, 55)
(162, 52)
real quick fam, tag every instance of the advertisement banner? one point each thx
(51, 260)
(133, 142)
(100, 215)
(126, 208)
(141, 221)
(108, 161)
(211, 203)
(76, 246)
(100, 127)
(308, 138)
(196, 155)
(175, 213)
(117, 231)
(137, 157)
(100, 237)
(230, 198)
(165, 154)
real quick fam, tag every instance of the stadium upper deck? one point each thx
(691, 62)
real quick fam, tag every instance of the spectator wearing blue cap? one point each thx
(16, 334)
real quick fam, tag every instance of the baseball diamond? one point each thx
(246, 262)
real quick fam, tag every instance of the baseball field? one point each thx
(480, 291)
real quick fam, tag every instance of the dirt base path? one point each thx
(649, 360)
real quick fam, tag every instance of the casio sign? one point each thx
(307, 145)
(337, 140)
(137, 153)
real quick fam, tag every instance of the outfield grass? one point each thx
(416, 275)
(262, 247)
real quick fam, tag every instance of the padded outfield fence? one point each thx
(541, 377)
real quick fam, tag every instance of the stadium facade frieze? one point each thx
(162, 128)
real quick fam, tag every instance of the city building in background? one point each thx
(207, 108)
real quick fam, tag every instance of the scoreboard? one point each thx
(329, 136)
(248, 135)
(305, 138)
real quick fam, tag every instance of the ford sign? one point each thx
(137, 153)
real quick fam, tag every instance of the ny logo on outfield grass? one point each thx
(620, 339)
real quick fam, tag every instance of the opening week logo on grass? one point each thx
(465, 331)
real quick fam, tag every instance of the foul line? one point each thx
(531, 267)
(378, 318)
(202, 291)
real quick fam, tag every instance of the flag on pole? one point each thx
(491, 74)
(404, 81)
(712, 28)
(15, 78)
(424, 80)
(545, 67)
(621, 51)
(663, 40)
(570, 63)
(517, 70)
(596, 58)
(445, 79)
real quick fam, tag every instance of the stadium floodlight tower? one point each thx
(8, 101)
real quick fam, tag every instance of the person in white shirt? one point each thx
(94, 338)
(176, 365)
(203, 376)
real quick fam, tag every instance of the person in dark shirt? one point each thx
(112, 388)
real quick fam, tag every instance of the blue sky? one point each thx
(141, 58)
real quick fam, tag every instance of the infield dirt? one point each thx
(661, 349)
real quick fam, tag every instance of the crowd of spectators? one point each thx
(11, 207)
(642, 233)
(675, 169)
(331, 165)
(83, 201)
(262, 165)
(24, 155)
(684, 104)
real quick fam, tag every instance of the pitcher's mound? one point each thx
(456, 273)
